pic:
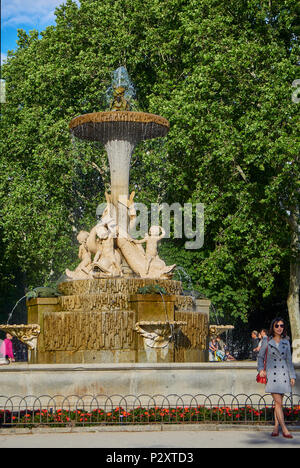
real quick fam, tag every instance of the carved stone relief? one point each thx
(89, 331)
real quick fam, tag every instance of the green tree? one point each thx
(239, 131)
(222, 73)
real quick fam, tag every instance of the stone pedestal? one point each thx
(153, 307)
(96, 322)
(154, 311)
(35, 314)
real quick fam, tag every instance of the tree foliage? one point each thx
(221, 72)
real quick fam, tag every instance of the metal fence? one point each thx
(90, 410)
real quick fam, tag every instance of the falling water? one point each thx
(15, 306)
(63, 277)
(186, 276)
(215, 314)
(173, 335)
(120, 78)
(188, 279)
(165, 307)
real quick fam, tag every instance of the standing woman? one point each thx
(280, 371)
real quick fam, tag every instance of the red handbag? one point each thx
(262, 380)
(259, 379)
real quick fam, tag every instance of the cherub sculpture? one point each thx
(83, 271)
(107, 258)
(154, 265)
(151, 241)
(146, 264)
(119, 102)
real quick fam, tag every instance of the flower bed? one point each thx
(142, 415)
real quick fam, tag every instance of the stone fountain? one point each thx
(120, 323)
(100, 315)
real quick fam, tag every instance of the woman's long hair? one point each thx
(271, 330)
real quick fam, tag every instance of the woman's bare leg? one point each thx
(276, 427)
(279, 416)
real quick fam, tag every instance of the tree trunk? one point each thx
(293, 295)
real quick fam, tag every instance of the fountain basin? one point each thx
(28, 334)
(97, 381)
(126, 125)
(215, 330)
(158, 334)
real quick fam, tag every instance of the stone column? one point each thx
(119, 155)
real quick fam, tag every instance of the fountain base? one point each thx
(94, 321)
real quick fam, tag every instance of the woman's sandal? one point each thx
(287, 436)
(275, 434)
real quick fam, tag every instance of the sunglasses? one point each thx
(278, 326)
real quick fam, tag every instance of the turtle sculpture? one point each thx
(42, 292)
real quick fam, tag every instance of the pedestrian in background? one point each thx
(7, 348)
(262, 335)
(255, 345)
(220, 353)
(212, 347)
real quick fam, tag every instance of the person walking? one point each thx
(212, 347)
(7, 348)
(262, 334)
(279, 370)
(255, 344)
(220, 353)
